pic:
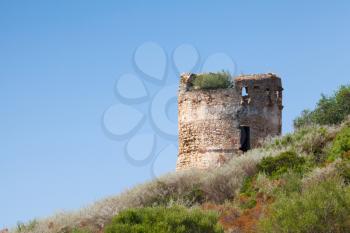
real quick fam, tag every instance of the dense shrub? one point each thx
(164, 220)
(185, 192)
(343, 168)
(212, 80)
(248, 193)
(289, 183)
(278, 165)
(247, 187)
(329, 110)
(341, 144)
(321, 174)
(265, 185)
(322, 208)
(312, 142)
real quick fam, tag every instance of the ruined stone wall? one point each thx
(262, 107)
(208, 127)
(210, 120)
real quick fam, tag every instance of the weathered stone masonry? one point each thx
(215, 125)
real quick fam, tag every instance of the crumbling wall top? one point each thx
(268, 79)
(267, 76)
(185, 81)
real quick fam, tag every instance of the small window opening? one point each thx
(244, 91)
(278, 94)
(269, 97)
(245, 138)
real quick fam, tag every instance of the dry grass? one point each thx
(320, 174)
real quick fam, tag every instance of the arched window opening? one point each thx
(244, 91)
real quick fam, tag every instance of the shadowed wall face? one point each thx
(215, 125)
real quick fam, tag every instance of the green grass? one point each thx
(164, 220)
(250, 203)
(247, 186)
(284, 162)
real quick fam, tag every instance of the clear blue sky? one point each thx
(59, 61)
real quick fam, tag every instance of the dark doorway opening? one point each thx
(245, 138)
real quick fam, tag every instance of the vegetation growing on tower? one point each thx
(208, 81)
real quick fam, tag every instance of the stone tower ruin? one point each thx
(215, 125)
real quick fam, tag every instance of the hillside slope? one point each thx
(242, 191)
(295, 183)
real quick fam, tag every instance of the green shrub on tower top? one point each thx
(212, 80)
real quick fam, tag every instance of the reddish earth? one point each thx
(236, 220)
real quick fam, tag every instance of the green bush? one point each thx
(329, 110)
(195, 196)
(164, 220)
(212, 80)
(284, 162)
(312, 141)
(344, 170)
(248, 188)
(290, 183)
(322, 208)
(341, 144)
(189, 195)
(305, 119)
(250, 203)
